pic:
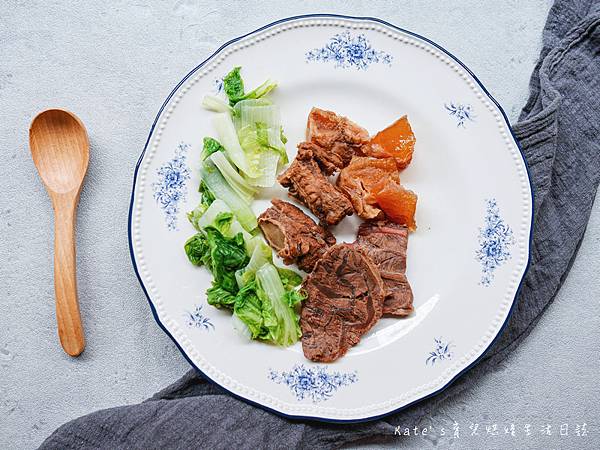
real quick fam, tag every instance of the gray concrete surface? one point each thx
(113, 63)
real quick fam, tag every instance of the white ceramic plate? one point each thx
(465, 261)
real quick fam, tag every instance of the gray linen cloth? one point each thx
(559, 132)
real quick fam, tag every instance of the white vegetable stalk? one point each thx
(268, 279)
(261, 255)
(237, 183)
(221, 190)
(229, 140)
(216, 104)
(268, 161)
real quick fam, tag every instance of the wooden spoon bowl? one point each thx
(60, 151)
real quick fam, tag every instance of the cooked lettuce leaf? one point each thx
(220, 297)
(200, 219)
(289, 278)
(260, 91)
(270, 138)
(262, 296)
(206, 199)
(263, 158)
(294, 298)
(226, 256)
(267, 310)
(197, 250)
(248, 112)
(248, 308)
(280, 319)
(216, 104)
(211, 146)
(223, 223)
(261, 255)
(234, 87)
(221, 190)
(222, 256)
(268, 161)
(282, 137)
(235, 153)
(235, 180)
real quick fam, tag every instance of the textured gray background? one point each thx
(113, 66)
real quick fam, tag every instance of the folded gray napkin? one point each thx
(559, 132)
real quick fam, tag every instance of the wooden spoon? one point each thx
(60, 151)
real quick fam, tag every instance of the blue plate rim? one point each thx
(162, 326)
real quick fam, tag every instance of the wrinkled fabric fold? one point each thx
(558, 131)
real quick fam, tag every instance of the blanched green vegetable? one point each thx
(222, 256)
(289, 278)
(249, 112)
(197, 251)
(261, 255)
(220, 297)
(210, 146)
(259, 124)
(206, 199)
(215, 214)
(220, 188)
(216, 104)
(229, 138)
(249, 149)
(279, 317)
(248, 308)
(268, 162)
(227, 255)
(234, 87)
(270, 138)
(236, 182)
(203, 219)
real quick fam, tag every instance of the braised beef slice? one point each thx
(307, 183)
(335, 139)
(385, 242)
(344, 300)
(293, 235)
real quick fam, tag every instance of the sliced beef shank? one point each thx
(385, 242)
(293, 235)
(344, 300)
(307, 183)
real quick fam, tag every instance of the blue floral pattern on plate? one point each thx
(315, 382)
(441, 352)
(495, 240)
(461, 112)
(170, 188)
(197, 319)
(218, 85)
(345, 50)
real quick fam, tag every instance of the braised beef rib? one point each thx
(293, 235)
(307, 183)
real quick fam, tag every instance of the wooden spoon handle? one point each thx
(70, 330)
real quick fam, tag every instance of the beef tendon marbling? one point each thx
(345, 296)
(385, 242)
